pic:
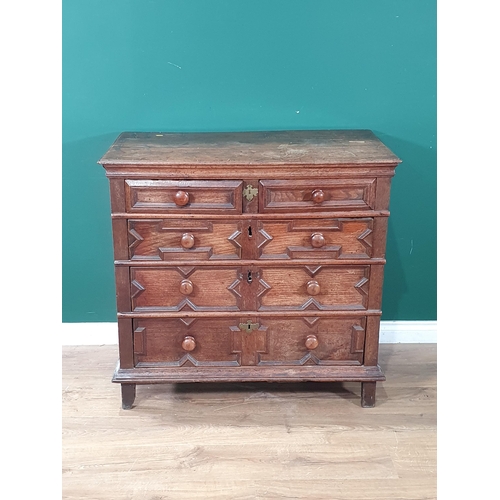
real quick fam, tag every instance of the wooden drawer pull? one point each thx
(186, 287)
(312, 342)
(187, 240)
(181, 198)
(318, 196)
(313, 287)
(188, 344)
(317, 240)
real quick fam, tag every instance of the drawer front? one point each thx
(313, 288)
(185, 342)
(316, 195)
(185, 288)
(183, 239)
(215, 342)
(313, 341)
(165, 196)
(341, 238)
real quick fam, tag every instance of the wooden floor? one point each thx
(255, 441)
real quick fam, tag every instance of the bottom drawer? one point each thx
(248, 341)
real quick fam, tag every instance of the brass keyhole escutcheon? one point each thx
(248, 326)
(250, 192)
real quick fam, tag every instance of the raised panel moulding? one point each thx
(391, 332)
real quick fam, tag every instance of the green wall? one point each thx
(199, 65)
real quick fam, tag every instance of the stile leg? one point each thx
(128, 396)
(368, 394)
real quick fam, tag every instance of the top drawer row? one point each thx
(162, 196)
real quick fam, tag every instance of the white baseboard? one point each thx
(391, 332)
(408, 332)
(89, 333)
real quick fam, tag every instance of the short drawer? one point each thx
(316, 195)
(313, 288)
(162, 196)
(184, 239)
(313, 341)
(185, 342)
(321, 238)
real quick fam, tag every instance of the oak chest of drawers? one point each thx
(253, 256)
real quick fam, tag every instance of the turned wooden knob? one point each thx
(181, 198)
(186, 287)
(187, 240)
(318, 196)
(188, 344)
(311, 342)
(313, 287)
(317, 240)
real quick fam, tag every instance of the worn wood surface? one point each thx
(250, 441)
(248, 148)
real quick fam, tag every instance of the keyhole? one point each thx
(249, 231)
(249, 276)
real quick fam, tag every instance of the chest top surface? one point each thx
(281, 148)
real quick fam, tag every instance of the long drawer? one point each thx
(239, 342)
(266, 288)
(212, 239)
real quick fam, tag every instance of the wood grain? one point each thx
(249, 148)
(163, 239)
(263, 171)
(298, 196)
(250, 441)
(340, 287)
(342, 238)
(160, 289)
(158, 196)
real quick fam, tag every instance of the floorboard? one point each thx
(250, 441)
